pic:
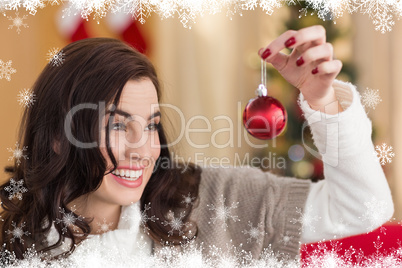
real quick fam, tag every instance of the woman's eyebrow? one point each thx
(156, 114)
(128, 116)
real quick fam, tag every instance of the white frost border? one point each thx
(382, 12)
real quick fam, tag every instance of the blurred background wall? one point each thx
(211, 71)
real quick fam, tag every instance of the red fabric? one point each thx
(133, 36)
(387, 238)
(80, 33)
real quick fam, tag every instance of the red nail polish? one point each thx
(266, 53)
(315, 70)
(290, 42)
(299, 61)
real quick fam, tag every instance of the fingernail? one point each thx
(299, 61)
(266, 53)
(290, 42)
(315, 70)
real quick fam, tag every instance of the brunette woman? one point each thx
(99, 170)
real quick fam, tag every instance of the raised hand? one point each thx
(310, 67)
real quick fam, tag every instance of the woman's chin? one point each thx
(129, 201)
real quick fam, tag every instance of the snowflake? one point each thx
(384, 153)
(188, 200)
(30, 5)
(379, 11)
(185, 17)
(306, 218)
(141, 9)
(17, 153)
(250, 4)
(371, 98)
(17, 22)
(145, 218)
(18, 232)
(223, 213)
(98, 8)
(56, 2)
(378, 244)
(286, 238)
(268, 6)
(375, 213)
(26, 97)
(13, 5)
(176, 224)
(340, 228)
(256, 233)
(383, 23)
(166, 9)
(33, 5)
(104, 226)
(6, 70)
(68, 220)
(16, 189)
(326, 10)
(55, 56)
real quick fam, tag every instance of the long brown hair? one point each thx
(94, 70)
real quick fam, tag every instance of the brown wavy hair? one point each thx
(94, 70)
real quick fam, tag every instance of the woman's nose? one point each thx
(139, 160)
(137, 147)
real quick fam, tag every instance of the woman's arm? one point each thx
(354, 197)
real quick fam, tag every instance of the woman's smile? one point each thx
(128, 174)
(134, 180)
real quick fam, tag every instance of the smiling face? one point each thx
(134, 141)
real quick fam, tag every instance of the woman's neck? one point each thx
(105, 215)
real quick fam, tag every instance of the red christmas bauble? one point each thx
(264, 117)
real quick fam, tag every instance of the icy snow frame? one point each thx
(382, 12)
(191, 256)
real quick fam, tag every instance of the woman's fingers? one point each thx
(328, 68)
(306, 38)
(277, 45)
(316, 55)
(300, 40)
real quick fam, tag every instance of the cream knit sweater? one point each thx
(259, 210)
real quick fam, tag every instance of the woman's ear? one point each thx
(56, 146)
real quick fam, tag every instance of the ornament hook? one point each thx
(262, 89)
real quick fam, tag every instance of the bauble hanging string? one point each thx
(264, 117)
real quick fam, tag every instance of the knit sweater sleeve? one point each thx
(354, 197)
(249, 207)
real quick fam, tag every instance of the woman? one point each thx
(99, 170)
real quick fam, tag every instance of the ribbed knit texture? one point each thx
(263, 198)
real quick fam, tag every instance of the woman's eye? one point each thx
(153, 127)
(119, 126)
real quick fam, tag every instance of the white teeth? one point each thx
(130, 175)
